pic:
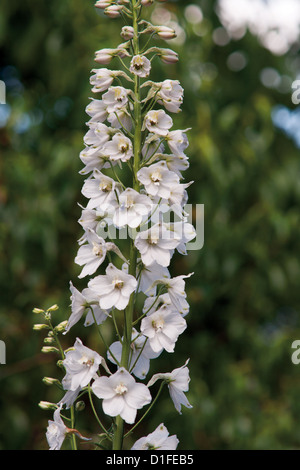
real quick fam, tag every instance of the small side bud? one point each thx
(61, 326)
(164, 32)
(113, 11)
(49, 349)
(46, 405)
(38, 310)
(127, 32)
(80, 406)
(50, 381)
(53, 308)
(102, 4)
(168, 56)
(40, 326)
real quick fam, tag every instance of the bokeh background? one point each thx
(238, 62)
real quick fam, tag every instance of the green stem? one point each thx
(95, 413)
(148, 410)
(128, 319)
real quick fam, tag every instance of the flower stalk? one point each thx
(130, 126)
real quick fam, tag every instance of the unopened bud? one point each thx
(164, 32)
(53, 308)
(60, 364)
(146, 3)
(38, 310)
(46, 405)
(113, 11)
(80, 406)
(49, 349)
(40, 326)
(102, 4)
(49, 340)
(50, 381)
(127, 32)
(168, 56)
(61, 326)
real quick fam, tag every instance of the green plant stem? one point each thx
(148, 410)
(128, 317)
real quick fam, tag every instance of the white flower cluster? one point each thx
(131, 138)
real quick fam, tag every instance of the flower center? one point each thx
(97, 250)
(118, 283)
(158, 324)
(105, 187)
(87, 361)
(120, 389)
(156, 177)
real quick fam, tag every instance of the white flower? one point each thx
(81, 364)
(176, 163)
(158, 179)
(140, 66)
(115, 98)
(152, 304)
(120, 118)
(92, 254)
(96, 109)
(70, 396)
(163, 328)
(133, 207)
(156, 245)
(121, 395)
(171, 95)
(91, 218)
(119, 148)
(178, 383)
(157, 440)
(177, 141)
(93, 158)
(102, 79)
(176, 289)
(149, 274)
(56, 431)
(184, 231)
(114, 288)
(140, 354)
(97, 135)
(100, 189)
(80, 302)
(158, 122)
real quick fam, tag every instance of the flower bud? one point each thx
(53, 308)
(38, 310)
(46, 405)
(80, 406)
(60, 364)
(61, 326)
(168, 56)
(50, 381)
(49, 349)
(40, 326)
(49, 340)
(127, 32)
(146, 3)
(102, 4)
(164, 32)
(113, 11)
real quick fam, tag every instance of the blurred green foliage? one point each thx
(245, 292)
